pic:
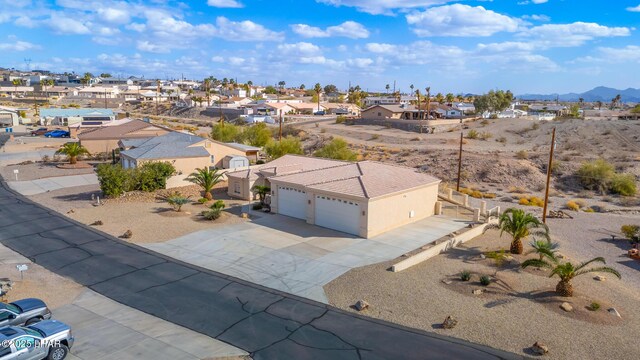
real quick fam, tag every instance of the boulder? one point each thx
(477, 292)
(483, 256)
(614, 312)
(361, 305)
(449, 323)
(97, 223)
(127, 234)
(599, 278)
(566, 307)
(446, 282)
(540, 348)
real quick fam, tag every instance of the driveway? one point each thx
(105, 329)
(266, 323)
(290, 255)
(39, 186)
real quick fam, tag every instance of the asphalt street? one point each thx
(266, 323)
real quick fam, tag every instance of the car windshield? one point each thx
(13, 308)
(33, 332)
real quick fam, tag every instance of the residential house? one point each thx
(106, 138)
(16, 92)
(9, 117)
(445, 111)
(307, 108)
(115, 81)
(71, 116)
(548, 111)
(466, 108)
(99, 92)
(380, 112)
(389, 100)
(343, 109)
(364, 198)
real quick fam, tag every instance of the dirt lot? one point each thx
(516, 310)
(40, 170)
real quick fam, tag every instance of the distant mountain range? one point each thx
(600, 93)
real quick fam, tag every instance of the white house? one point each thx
(99, 92)
(253, 119)
(9, 117)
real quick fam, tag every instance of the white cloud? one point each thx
(244, 31)
(627, 54)
(299, 49)
(114, 16)
(506, 47)
(377, 7)
(460, 20)
(349, 29)
(225, 3)
(418, 53)
(218, 59)
(541, 18)
(18, 46)
(634, 8)
(136, 27)
(151, 47)
(570, 35)
(539, 1)
(62, 24)
(236, 61)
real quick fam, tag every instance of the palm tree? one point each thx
(439, 98)
(261, 191)
(449, 98)
(519, 225)
(411, 87)
(544, 248)
(599, 103)
(207, 85)
(567, 271)
(581, 101)
(73, 150)
(44, 83)
(86, 79)
(387, 87)
(318, 89)
(16, 83)
(207, 179)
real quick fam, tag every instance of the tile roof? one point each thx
(364, 179)
(285, 164)
(242, 147)
(115, 132)
(168, 146)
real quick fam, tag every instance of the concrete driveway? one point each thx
(290, 255)
(105, 329)
(39, 186)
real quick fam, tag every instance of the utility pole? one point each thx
(459, 162)
(428, 102)
(220, 107)
(546, 194)
(280, 132)
(105, 98)
(394, 86)
(157, 96)
(419, 111)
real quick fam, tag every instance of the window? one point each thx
(213, 159)
(5, 315)
(5, 351)
(379, 114)
(236, 188)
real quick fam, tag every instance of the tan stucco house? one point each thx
(364, 198)
(103, 139)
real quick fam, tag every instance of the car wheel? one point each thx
(33, 321)
(58, 352)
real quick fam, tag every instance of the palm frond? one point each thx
(535, 263)
(604, 269)
(597, 259)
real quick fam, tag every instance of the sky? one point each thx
(464, 46)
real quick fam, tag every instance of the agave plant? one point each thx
(519, 225)
(567, 271)
(207, 179)
(72, 150)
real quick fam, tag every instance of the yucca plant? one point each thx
(177, 200)
(519, 225)
(73, 150)
(207, 179)
(567, 271)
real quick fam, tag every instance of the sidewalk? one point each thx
(33, 187)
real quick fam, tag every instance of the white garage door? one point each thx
(338, 214)
(292, 202)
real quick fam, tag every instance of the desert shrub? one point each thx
(531, 201)
(486, 135)
(375, 137)
(589, 210)
(502, 139)
(472, 134)
(288, 145)
(465, 275)
(337, 149)
(535, 126)
(153, 176)
(177, 200)
(572, 205)
(631, 232)
(212, 214)
(322, 131)
(485, 280)
(257, 135)
(623, 184)
(522, 155)
(113, 180)
(341, 119)
(489, 195)
(226, 132)
(203, 200)
(257, 207)
(484, 122)
(498, 257)
(523, 201)
(415, 139)
(581, 203)
(594, 306)
(217, 205)
(596, 175)
(45, 158)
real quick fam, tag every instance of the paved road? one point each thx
(266, 323)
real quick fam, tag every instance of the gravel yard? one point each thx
(39, 170)
(516, 311)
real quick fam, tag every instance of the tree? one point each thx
(207, 90)
(73, 150)
(519, 225)
(318, 89)
(302, 87)
(411, 87)
(206, 178)
(226, 133)
(337, 149)
(636, 110)
(44, 83)
(86, 78)
(574, 111)
(257, 135)
(16, 83)
(270, 90)
(493, 101)
(449, 98)
(599, 103)
(568, 271)
(439, 98)
(105, 75)
(328, 89)
(261, 191)
(288, 145)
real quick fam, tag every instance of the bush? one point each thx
(498, 257)
(486, 136)
(203, 200)
(594, 306)
(472, 134)
(115, 180)
(589, 210)
(596, 175)
(623, 184)
(531, 201)
(341, 119)
(502, 139)
(572, 205)
(337, 149)
(218, 205)
(288, 145)
(465, 275)
(631, 232)
(484, 122)
(523, 201)
(212, 214)
(257, 207)
(522, 155)
(257, 135)
(177, 200)
(152, 176)
(227, 133)
(485, 280)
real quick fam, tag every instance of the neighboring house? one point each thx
(365, 198)
(307, 108)
(239, 101)
(445, 111)
(343, 109)
(104, 139)
(466, 108)
(9, 117)
(13, 91)
(186, 152)
(99, 92)
(548, 111)
(66, 117)
(390, 112)
(250, 152)
(254, 119)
